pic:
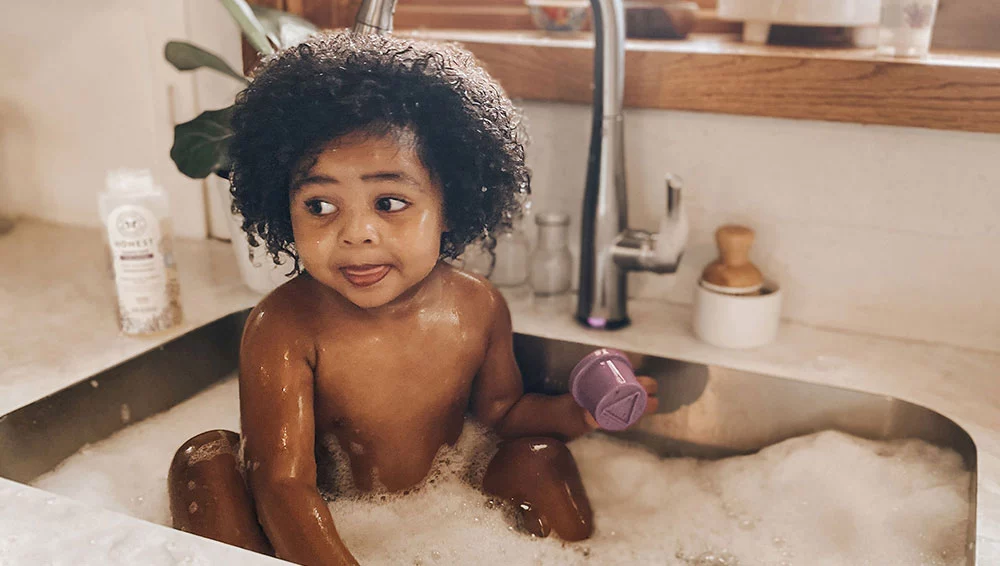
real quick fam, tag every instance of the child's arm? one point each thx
(498, 395)
(276, 412)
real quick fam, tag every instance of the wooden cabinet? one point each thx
(410, 14)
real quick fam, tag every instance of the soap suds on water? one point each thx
(823, 499)
(127, 472)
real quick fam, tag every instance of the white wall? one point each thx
(882, 230)
(85, 89)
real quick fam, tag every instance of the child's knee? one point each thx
(206, 446)
(540, 477)
(208, 495)
(202, 465)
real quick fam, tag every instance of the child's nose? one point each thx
(359, 229)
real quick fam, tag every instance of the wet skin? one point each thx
(384, 348)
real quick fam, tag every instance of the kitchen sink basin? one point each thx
(706, 411)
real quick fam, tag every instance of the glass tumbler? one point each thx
(906, 25)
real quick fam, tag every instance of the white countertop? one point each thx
(57, 306)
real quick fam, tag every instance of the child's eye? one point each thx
(390, 204)
(318, 207)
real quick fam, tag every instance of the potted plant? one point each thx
(201, 145)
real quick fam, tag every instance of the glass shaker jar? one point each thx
(551, 263)
(511, 269)
(478, 257)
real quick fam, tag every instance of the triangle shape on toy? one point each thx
(622, 409)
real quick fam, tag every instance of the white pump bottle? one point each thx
(136, 215)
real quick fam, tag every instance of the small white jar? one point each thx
(737, 321)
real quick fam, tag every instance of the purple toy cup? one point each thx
(604, 384)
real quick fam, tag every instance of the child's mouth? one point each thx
(364, 275)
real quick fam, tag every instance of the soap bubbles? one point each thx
(826, 498)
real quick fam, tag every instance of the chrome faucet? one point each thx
(608, 248)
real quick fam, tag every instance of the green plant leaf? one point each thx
(187, 57)
(252, 29)
(201, 146)
(283, 29)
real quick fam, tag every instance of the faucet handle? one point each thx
(639, 250)
(674, 187)
(673, 234)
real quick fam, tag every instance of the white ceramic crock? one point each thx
(737, 321)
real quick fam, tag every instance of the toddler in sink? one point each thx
(369, 160)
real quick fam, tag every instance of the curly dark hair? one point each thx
(468, 133)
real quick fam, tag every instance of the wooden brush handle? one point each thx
(733, 268)
(734, 244)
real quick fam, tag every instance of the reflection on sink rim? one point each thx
(706, 411)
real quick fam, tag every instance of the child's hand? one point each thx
(652, 402)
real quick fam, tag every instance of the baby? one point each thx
(369, 160)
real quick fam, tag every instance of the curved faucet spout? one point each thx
(375, 16)
(603, 292)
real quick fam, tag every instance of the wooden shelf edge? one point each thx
(945, 92)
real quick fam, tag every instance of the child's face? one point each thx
(368, 218)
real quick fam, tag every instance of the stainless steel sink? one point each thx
(709, 412)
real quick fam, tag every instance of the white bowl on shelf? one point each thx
(559, 16)
(758, 16)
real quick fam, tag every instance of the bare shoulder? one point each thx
(284, 315)
(475, 292)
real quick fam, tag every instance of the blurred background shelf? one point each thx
(718, 73)
(957, 87)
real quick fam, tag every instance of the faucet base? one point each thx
(603, 323)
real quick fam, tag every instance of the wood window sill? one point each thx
(718, 73)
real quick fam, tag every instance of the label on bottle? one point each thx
(147, 291)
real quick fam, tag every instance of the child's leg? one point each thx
(539, 476)
(208, 496)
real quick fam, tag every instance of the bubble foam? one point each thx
(823, 499)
